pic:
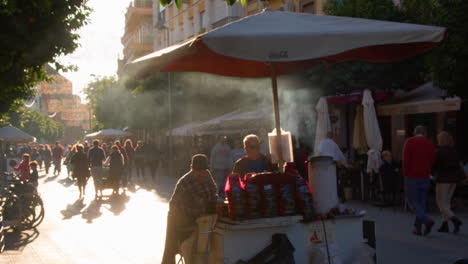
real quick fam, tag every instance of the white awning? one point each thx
(431, 106)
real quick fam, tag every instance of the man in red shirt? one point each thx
(418, 158)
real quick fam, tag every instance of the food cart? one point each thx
(238, 234)
(277, 43)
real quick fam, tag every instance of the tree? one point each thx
(34, 123)
(446, 65)
(356, 75)
(35, 32)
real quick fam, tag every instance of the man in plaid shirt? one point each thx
(195, 195)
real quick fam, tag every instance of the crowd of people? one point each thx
(116, 162)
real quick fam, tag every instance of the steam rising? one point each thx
(200, 96)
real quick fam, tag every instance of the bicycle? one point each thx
(22, 206)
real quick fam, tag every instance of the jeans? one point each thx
(96, 173)
(416, 193)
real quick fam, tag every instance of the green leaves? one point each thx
(35, 32)
(447, 64)
(33, 123)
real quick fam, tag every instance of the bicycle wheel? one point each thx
(32, 210)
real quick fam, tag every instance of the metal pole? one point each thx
(274, 86)
(171, 158)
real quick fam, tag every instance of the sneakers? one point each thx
(428, 227)
(457, 223)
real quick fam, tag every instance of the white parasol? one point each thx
(372, 131)
(323, 125)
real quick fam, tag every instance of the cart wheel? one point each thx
(32, 210)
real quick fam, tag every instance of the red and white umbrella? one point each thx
(273, 43)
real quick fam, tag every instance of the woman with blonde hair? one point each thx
(448, 172)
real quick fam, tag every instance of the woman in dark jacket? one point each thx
(80, 164)
(47, 157)
(116, 166)
(140, 159)
(448, 172)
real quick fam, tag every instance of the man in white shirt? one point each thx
(328, 147)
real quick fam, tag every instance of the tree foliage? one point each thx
(446, 65)
(35, 32)
(34, 123)
(120, 103)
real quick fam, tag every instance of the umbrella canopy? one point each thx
(294, 41)
(272, 43)
(12, 134)
(359, 135)
(323, 125)
(108, 133)
(372, 131)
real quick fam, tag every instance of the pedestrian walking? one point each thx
(116, 166)
(23, 168)
(448, 170)
(80, 164)
(124, 177)
(34, 154)
(152, 159)
(47, 157)
(418, 159)
(67, 161)
(96, 156)
(41, 151)
(238, 151)
(221, 163)
(130, 155)
(57, 155)
(34, 175)
(140, 155)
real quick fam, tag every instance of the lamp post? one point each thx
(161, 26)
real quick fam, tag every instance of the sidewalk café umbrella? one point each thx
(323, 125)
(372, 131)
(12, 134)
(359, 136)
(273, 43)
(108, 133)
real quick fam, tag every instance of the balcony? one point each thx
(136, 11)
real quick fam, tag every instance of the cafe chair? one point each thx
(196, 249)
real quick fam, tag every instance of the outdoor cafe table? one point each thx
(233, 241)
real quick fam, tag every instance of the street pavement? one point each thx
(125, 229)
(131, 229)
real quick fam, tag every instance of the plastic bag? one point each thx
(364, 255)
(235, 193)
(318, 254)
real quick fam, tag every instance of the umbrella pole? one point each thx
(274, 86)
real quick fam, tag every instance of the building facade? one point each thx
(56, 99)
(138, 36)
(173, 25)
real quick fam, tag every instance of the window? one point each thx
(202, 19)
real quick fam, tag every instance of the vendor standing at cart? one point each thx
(195, 195)
(254, 161)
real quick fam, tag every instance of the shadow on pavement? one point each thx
(67, 182)
(51, 178)
(18, 240)
(116, 203)
(73, 209)
(92, 212)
